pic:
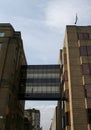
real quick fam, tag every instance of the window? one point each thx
(66, 119)
(83, 36)
(2, 34)
(0, 45)
(89, 50)
(88, 90)
(88, 93)
(2, 118)
(65, 59)
(85, 50)
(62, 105)
(63, 122)
(89, 115)
(86, 69)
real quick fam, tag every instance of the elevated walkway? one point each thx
(40, 82)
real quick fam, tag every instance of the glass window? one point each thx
(0, 45)
(65, 76)
(89, 50)
(83, 36)
(2, 34)
(88, 86)
(67, 118)
(88, 90)
(83, 50)
(57, 90)
(88, 93)
(63, 122)
(89, 115)
(1, 122)
(44, 89)
(62, 104)
(39, 89)
(85, 69)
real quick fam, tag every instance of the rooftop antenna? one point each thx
(76, 19)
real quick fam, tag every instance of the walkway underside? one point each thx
(39, 96)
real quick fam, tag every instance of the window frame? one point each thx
(85, 50)
(89, 115)
(83, 36)
(86, 69)
(87, 90)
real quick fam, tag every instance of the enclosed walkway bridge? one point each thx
(40, 82)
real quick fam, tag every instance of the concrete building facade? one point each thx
(54, 121)
(76, 79)
(11, 58)
(33, 117)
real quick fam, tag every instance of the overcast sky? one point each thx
(42, 24)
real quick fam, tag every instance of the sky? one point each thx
(42, 25)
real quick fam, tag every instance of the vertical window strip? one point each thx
(89, 115)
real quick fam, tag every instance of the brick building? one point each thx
(76, 78)
(11, 58)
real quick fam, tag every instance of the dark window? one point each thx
(0, 45)
(89, 115)
(67, 118)
(65, 59)
(89, 50)
(83, 50)
(83, 36)
(88, 90)
(88, 93)
(85, 69)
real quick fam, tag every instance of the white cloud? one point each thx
(58, 14)
(61, 13)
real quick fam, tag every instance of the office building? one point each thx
(76, 78)
(11, 58)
